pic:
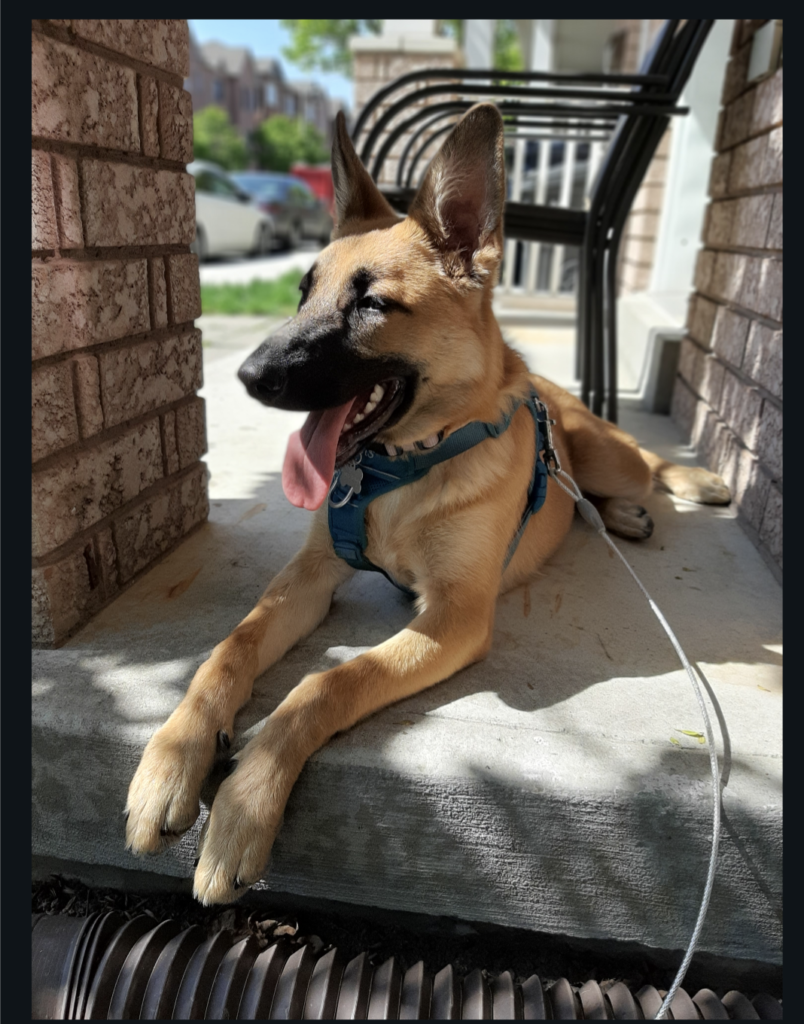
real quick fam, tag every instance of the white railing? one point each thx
(548, 173)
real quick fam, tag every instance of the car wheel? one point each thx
(199, 246)
(264, 242)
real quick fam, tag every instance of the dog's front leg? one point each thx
(163, 798)
(247, 812)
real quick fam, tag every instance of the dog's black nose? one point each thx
(263, 382)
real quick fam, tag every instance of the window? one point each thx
(290, 106)
(270, 98)
(217, 90)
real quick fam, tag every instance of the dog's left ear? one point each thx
(460, 202)
(359, 204)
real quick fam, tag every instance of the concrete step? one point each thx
(551, 787)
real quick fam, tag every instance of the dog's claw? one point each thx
(223, 740)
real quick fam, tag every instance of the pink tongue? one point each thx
(310, 457)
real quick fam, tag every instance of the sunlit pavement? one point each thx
(242, 269)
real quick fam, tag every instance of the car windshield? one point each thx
(265, 188)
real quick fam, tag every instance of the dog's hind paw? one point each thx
(695, 484)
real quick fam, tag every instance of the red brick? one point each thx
(712, 380)
(64, 594)
(158, 287)
(701, 319)
(68, 202)
(153, 526)
(745, 169)
(749, 486)
(80, 97)
(774, 238)
(185, 287)
(82, 303)
(683, 406)
(769, 440)
(107, 557)
(690, 364)
(771, 529)
(767, 108)
(54, 424)
(175, 123)
(191, 431)
(86, 383)
(128, 205)
(763, 358)
(719, 222)
(729, 335)
(149, 112)
(138, 378)
(729, 278)
(771, 171)
(162, 43)
(169, 446)
(736, 74)
(704, 266)
(738, 118)
(752, 216)
(741, 407)
(87, 485)
(44, 234)
(763, 287)
(718, 179)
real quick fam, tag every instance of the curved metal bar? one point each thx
(409, 145)
(627, 100)
(520, 76)
(513, 109)
(414, 162)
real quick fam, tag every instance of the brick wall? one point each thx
(728, 395)
(117, 428)
(380, 60)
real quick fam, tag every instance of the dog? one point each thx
(395, 353)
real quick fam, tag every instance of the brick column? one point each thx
(728, 395)
(378, 60)
(118, 430)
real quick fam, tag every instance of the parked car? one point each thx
(296, 211)
(227, 220)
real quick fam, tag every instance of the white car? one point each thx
(227, 220)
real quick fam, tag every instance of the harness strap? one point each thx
(384, 473)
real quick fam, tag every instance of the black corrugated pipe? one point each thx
(104, 967)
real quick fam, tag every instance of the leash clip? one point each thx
(550, 454)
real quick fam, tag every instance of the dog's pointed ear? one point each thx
(460, 202)
(357, 198)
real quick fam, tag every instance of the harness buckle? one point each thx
(350, 476)
(550, 455)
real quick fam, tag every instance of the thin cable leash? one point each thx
(592, 516)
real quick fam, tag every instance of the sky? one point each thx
(264, 38)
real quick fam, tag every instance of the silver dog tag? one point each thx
(351, 476)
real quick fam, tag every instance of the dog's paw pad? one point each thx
(627, 520)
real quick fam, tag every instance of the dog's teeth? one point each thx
(359, 417)
(377, 393)
(370, 407)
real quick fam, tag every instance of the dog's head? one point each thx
(394, 339)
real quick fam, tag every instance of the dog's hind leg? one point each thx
(247, 811)
(689, 482)
(163, 799)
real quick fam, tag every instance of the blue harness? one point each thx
(371, 474)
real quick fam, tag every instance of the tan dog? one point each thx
(394, 343)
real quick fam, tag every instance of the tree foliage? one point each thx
(280, 141)
(215, 138)
(322, 44)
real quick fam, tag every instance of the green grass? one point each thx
(269, 298)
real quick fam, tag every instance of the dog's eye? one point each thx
(370, 302)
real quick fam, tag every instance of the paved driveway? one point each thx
(241, 270)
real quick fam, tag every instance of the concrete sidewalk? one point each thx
(552, 787)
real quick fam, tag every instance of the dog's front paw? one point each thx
(163, 798)
(238, 835)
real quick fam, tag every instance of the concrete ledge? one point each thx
(549, 788)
